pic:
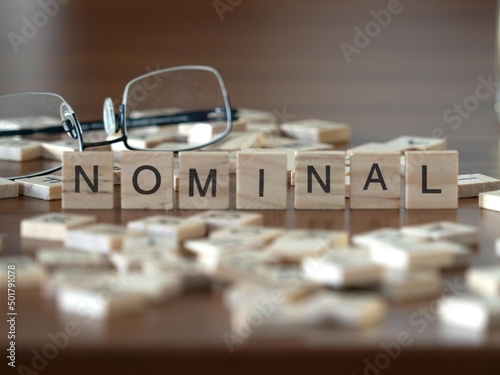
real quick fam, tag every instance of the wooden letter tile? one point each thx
(203, 180)
(29, 275)
(445, 230)
(320, 180)
(146, 180)
(261, 180)
(375, 180)
(431, 179)
(474, 313)
(87, 180)
(55, 150)
(226, 219)
(176, 228)
(17, 149)
(53, 226)
(314, 130)
(484, 281)
(8, 188)
(98, 238)
(470, 185)
(490, 200)
(46, 187)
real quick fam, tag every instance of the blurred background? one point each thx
(298, 58)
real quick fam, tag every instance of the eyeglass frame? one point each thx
(73, 127)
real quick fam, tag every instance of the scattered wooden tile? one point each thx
(8, 188)
(150, 243)
(478, 314)
(380, 237)
(319, 180)
(484, 281)
(46, 187)
(343, 268)
(470, 185)
(261, 180)
(17, 149)
(314, 130)
(98, 302)
(62, 277)
(239, 141)
(176, 228)
(147, 180)
(88, 180)
(445, 230)
(431, 180)
(53, 226)
(437, 254)
(490, 200)
(375, 180)
(416, 284)
(257, 116)
(147, 139)
(411, 143)
(28, 274)
(203, 180)
(98, 238)
(156, 289)
(295, 245)
(259, 236)
(352, 310)
(64, 258)
(128, 262)
(226, 219)
(55, 150)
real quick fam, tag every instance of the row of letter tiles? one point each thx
(261, 180)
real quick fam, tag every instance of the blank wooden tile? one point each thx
(88, 180)
(53, 226)
(261, 181)
(279, 142)
(17, 149)
(315, 130)
(474, 313)
(149, 243)
(298, 244)
(490, 200)
(225, 219)
(146, 180)
(63, 258)
(470, 185)
(411, 285)
(55, 150)
(203, 180)
(436, 254)
(352, 310)
(146, 139)
(320, 180)
(445, 230)
(256, 115)
(375, 181)
(431, 179)
(484, 281)
(99, 238)
(46, 187)
(8, 188)
(29, 275)
(343, 268)
(176, 228)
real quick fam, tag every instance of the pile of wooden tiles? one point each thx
(284, 277)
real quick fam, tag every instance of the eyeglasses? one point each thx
(175, 109)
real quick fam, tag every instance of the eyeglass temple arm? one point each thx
(194, 116)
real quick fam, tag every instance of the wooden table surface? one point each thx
(281, 56)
